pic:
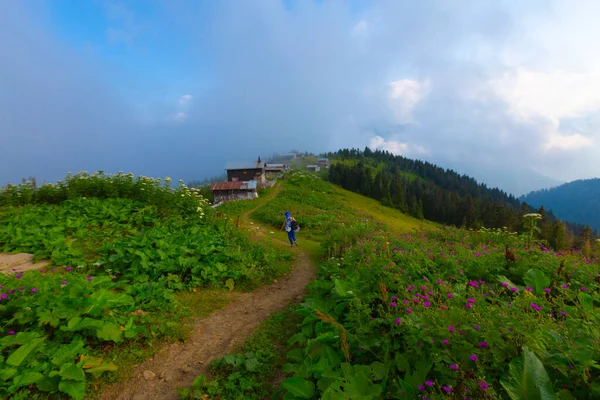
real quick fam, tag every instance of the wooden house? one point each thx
(323, 162)
(245, 172)
(313, 168)
(236, 190)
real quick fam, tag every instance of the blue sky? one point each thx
(505, 91)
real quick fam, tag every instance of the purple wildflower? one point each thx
(427, 304)
(448, 389)
(11, 332)
(421, 387)
(394, 297)
(68, 269)
(428, 383)
(583, 289)
(483, 344)
(504, 284)
(468, 306)
(529, 289)
(473, 357)
(443, 307)
(547, 290)
(477, 327)
(565, 286)
(89, 278)
(453, 367)
(451, 328)
(450, 295)
(33, 290)
(514, 289)
(409, 310)
(471, 300)
(393, 304)
(483, 385)
(563, 313)
(398, 320)
(445, 341)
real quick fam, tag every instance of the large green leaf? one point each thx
(68, 352)
(72, 371)
(527, 379)
(17, 357)
(301, 388)
(7, 373)
(27, 379)
(110, 331)
(537, 280)
(73, 388)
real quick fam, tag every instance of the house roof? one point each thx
(276, 165)
(240, 185)
(243, 165)
(323, 159)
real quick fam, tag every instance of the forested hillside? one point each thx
(577, 201)
(427, 191)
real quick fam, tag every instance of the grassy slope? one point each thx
(270, 340)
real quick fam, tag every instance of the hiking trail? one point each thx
(214, 336)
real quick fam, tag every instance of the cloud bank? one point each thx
(505, 92)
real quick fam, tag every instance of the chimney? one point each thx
(258, 162)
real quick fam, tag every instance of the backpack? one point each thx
(294, 225)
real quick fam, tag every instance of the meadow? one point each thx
(401, 308)
(447, 314)
(123, 249)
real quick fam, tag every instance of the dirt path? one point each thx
(11, 264)
(213, 337)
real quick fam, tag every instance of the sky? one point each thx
(505, 91)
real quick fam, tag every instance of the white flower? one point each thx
(533, 215)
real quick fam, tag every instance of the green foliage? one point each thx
(439, 313)
(53, 322)
(315, 204)
(132, 241)
(248, 373)
(152, 191)
(122, 247)
(527, 379)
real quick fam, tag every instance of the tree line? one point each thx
(426, 191)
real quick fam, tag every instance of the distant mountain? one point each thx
(577, 201)
(515, 181)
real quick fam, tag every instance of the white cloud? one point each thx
(556, 94)
(179, 116)
(568, 142)
(396, 147)
(404, 96)
(185, 98)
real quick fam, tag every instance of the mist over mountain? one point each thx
(577, 201)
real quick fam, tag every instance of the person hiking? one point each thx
(291, 227)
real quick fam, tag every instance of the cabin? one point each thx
(276, 167)
(323, 162)
(245, 172)
(313, 168)
(236, 190)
